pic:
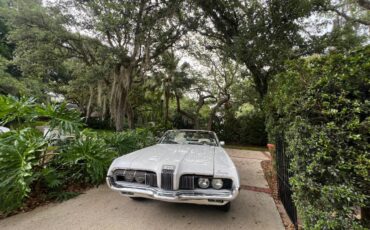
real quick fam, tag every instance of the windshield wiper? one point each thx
(170, 142)
(194, 143)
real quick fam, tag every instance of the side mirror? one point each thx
(222, 143)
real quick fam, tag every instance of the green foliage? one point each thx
(52, 178)
(20, 153)
(25, 151)
(8, 83)
(20, 110)
(87, 160)
(12, 86)
(37, 163)
(60, 118)
(16, 109)
(129, 141)
(62, 195)
(245, 129)
(258, 34)
(323, 105)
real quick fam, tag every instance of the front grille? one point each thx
(187, 182)
(228, 183)
(167, 179)
(151, 179)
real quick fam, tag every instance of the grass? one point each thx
(253, 148)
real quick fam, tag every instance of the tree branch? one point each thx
(364, 3)
(347, 17)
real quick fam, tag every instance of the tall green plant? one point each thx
(60, 118)
(20, 153)
(25, 152)
(32, 161)
(16, 109)
(87, 160)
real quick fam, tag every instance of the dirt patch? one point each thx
(271, 178)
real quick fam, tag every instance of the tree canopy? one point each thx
(126, 63)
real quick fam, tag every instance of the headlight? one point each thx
(203, 182)
(140, 177)
(217, 183)
(129, 175)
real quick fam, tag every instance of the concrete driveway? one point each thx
(102, 208)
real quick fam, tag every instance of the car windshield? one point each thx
(191, 137)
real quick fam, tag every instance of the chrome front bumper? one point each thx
(197, 196)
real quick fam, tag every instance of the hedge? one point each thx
(322, 104)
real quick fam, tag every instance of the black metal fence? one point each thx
(284, 189)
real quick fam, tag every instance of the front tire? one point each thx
(226, 207)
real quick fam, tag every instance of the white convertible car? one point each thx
(186, 166)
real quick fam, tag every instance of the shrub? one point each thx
(46, 165)
(20, 153)
(16, 109)
(246, 129)
(252, 129)
(129, 141)
(86, 160)
(24, 152)
(323, 105)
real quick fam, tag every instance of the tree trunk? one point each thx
(120, 90)
(186, 114)
(88, 108)
(365, 214)
(260, 79)
(210, 119)
(100, 94)
(130, 116)
(178, 106)
(166, 104)
(196, 121)
(104, 109)
(214, 110)
(199, 107)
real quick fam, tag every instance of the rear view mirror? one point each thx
(222, 143)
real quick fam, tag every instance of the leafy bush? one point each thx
(25, 152)
(86, 160)
(129, 141)
(252, 129)
(16, 109)
(31, 162)
(246, 129)
(323, 105)
(20, 153)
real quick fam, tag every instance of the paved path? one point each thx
(102, 208)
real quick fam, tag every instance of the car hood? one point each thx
(187, 159)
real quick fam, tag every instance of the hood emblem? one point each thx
(169, 167)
